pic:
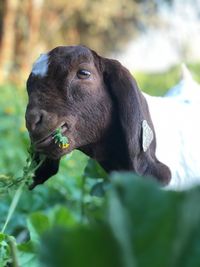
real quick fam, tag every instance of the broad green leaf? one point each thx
(82, 247)
(145, 226)
(38, 224)
(61, 216)
(27, 255)
(94, 170)
(163, 225)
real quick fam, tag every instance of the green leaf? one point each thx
(61, 216)
(80, 247)
(94, 170)
(38, 224)
(27, 255)
(144, 226)
(99, 189)
(5, 254)
(163, 225)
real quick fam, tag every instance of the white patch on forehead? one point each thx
(40, 67)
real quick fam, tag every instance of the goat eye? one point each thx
(83, 74)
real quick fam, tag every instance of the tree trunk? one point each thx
(34, 17)
(34, 13)
(27, 37)
(7, 38)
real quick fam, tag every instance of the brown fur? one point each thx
(103, 114)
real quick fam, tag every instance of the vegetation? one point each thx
(82, 217)
(159, 83)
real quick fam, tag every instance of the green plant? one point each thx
(143, 226)
(9, 183)
(60, 139)
(8, 254)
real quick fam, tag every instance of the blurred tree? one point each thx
(7, 38)
(27, 28)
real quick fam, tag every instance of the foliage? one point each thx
(60, 139)
(159, 83)
(9, 183)
(95, 23)
(145, 226)
(141, 225)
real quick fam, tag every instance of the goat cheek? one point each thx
(78, 93)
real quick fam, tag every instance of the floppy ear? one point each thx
(135, 121)
(48, 168)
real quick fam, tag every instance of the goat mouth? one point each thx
(49, 138)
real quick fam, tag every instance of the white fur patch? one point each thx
(40, 67)
(177, 131)
(147, 135)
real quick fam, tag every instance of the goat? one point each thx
(98, 106)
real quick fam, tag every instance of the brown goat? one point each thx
(100, 109)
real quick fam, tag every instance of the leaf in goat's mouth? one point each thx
(60, 139)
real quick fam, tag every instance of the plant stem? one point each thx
(82, 198)
(13, 250)
(13, 206)
(19, 192)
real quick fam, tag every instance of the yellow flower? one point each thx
(9, 110)
(63, 146)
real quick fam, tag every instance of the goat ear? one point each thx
(135, 121)
(48, 168)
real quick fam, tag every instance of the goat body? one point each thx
(178, 144)
(97, 104)
(176, 120)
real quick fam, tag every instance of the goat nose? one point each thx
(34, 119)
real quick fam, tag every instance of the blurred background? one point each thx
(150, 37)
(145, 35)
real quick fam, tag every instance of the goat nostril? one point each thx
(39, 120)
(33, 120)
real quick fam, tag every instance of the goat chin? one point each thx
(176, 120)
